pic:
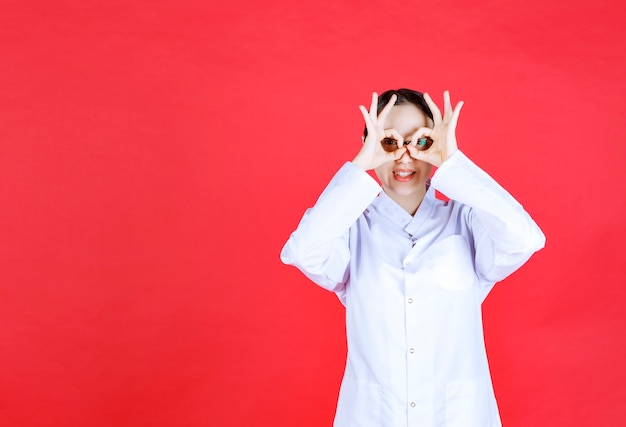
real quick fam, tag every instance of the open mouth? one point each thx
(403, 175)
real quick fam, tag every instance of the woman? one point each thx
(412, 270)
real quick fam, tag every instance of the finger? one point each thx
(374, 107)
(433, 108)
(423, 131)
(455, 115)
(368, 120)
(395, 155)
(415, 153)
(447, 105)
(383, 114)
(392, 133)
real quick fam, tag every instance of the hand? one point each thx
(372, 153)
(443, 133)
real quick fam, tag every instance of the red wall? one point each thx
(155, 156)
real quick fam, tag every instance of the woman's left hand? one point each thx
(443, 133)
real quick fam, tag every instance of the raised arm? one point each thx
(319, 247)
(505, 235)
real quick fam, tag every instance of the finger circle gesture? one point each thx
(443, 132)
(372, 153)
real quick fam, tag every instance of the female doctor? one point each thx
(413, 270)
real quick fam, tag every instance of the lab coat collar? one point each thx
(395, 214)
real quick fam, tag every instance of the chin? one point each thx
(404, 190)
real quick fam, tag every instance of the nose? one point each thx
(405, 158)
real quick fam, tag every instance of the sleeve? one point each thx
(319, 246)
(505, 236)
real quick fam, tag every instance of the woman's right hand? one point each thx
(372, 153)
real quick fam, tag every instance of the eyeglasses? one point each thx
(391, 144)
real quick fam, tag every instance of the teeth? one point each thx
(404, 174)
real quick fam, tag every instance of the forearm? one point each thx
(319, 245)
(505, 234)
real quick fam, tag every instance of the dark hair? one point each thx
(405, 96)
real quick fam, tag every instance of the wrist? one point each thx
(449, 154)
(357, 161)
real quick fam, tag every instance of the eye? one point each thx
(424, 143)
(389, 144)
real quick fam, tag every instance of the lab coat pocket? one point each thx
(451, 262)
(359, 404)
(467, 403)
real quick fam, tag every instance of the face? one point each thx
(404, 180)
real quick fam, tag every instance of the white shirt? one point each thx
(413, 287)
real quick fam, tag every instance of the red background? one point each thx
(156, 155)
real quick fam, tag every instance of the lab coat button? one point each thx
(410, 300)
(407, 264)
(412, 404)
(411, 350)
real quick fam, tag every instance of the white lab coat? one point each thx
(413, 287)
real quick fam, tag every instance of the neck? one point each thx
(409, 202)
